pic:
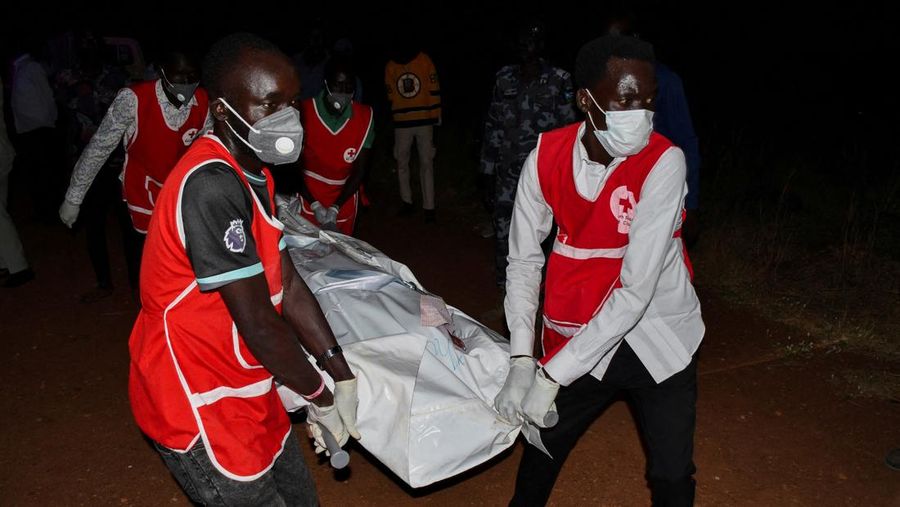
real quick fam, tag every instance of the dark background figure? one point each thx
(529, 97)
(338, 137)
(343, 49)
(311, 63)
(89, 88)
(414, 92)
(157, 121)
(13, 265)
(38, 143)
(672, 118)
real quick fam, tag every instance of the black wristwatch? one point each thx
(328, 354)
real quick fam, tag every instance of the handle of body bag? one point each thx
(339, 457)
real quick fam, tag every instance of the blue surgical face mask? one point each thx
(627, 132)
(276, 139)
(181, 92)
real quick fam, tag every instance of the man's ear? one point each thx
(218, 110)
(582, 100)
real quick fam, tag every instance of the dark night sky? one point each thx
(748, 63)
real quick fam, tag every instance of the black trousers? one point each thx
(39, 160)
(134, 246)
(104, 195)
(666, 415)
(132, 242)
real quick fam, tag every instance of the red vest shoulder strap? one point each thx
(554, 154)
(144, 89)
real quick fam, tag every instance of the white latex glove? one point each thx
(330, 223)
(330, 418)
(68, 213)
(346, 400)
(321, 212)
(518, 381)
(331, 216)
(539, 399)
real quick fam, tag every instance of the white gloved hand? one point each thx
(68, 213)
(539, 399)
(518, 381)
(330, 222)
(329, 418)
(346, 400)
(320, 212)
(332, 214)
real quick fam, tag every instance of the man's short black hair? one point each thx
(172, 57)
(220, 59)
(590, 65)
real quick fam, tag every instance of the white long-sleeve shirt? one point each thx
(120, 124)
(33, 105)
(656, 310)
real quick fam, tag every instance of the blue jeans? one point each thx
(287, 483)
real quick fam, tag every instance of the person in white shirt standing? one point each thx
(620, 313)
(37, 143)
(12, 256)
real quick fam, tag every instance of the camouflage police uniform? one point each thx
(519, 111)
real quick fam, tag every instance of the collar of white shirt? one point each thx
(163, 100)
(589, 175)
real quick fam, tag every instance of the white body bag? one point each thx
(427, 372)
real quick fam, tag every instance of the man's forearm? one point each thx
(275, 346)
(91, 161)
(303, 313)
(120, 115)
(268, 336)
(521, 303)
(355, 180)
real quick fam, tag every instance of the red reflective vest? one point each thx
(328, 159)
(584, 267)
(153, 150)
(192, 376)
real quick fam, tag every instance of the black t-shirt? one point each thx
(217, 218)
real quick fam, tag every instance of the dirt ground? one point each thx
(773, 428)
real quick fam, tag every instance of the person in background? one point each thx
(90, 86)
(13, 265)
(156, 121)
(672, 119)
(414, 92)
(311, 63)
(343, 49)
(38, 143)
(529, 98)
(339, 136)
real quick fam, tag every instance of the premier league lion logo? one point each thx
(235, 239)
